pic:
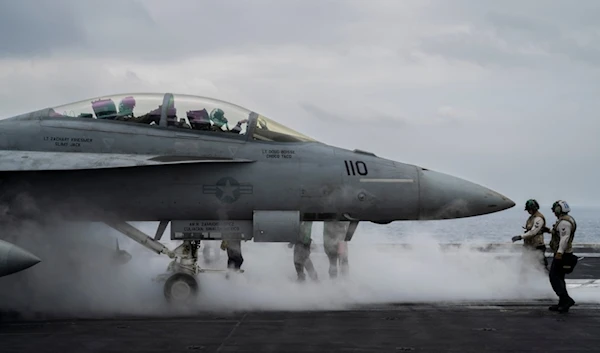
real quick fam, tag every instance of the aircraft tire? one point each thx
(180, 288)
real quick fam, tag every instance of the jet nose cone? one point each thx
(443, 196)
(14, 259)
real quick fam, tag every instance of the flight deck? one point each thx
(470, 327)
(453, 326)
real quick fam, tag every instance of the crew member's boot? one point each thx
(566, 305)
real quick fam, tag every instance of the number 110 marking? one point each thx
(356, 167)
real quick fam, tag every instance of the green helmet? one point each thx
(218, 117)
(532, 205)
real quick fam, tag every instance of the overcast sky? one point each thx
(502, 93)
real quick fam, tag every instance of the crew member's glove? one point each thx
(546, 230)
(558, 256)
(516, 238)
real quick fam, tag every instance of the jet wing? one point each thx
(40, 161)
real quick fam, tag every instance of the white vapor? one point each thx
(77, 279)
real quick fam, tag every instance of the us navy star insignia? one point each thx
(228, 189)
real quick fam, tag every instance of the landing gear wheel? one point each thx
(181, 288)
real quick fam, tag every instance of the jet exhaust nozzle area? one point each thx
(443, 196)
(15, 259)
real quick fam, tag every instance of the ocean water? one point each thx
(497, 227)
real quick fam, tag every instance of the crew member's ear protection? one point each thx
(560, 206)
(556, 208)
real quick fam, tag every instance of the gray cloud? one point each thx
(519, 33)
(159, 30)
(472, 88)
(31, 28)
(477, 48)
(359, 118)
(518, 24)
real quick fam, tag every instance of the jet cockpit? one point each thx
(194, 113)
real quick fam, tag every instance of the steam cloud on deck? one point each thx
(78, 277)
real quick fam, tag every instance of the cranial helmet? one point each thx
(532, 204)
(561, 206)
(218, 117)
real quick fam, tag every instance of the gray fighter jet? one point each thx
(214, 170)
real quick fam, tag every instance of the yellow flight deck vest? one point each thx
(554, 242)
(537, 239)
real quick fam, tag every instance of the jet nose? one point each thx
(14, 259)
(443, 196)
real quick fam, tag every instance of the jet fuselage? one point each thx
(321, 181)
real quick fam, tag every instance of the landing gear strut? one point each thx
(181, 284)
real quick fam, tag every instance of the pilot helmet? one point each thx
(127, 104)
(218, 117)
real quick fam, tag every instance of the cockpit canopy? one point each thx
(193, 113)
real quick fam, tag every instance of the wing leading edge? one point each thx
(12, 161)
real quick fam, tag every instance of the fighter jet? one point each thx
(214, 170)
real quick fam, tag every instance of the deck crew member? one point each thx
(564, 261)
(336, 248)
(234, 253)
(302, 248)
(533, 238)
